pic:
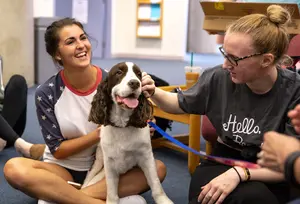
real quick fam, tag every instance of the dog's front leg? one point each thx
(148, 166)
(112, 182)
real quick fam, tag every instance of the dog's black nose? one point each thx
(134, 84)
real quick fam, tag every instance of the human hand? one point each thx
(294, 115)
(148, 85)
(96, 132)
(275, 149)
(152, 130)
(219, 188)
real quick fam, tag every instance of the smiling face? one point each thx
(74, 48)
(125, 80)
(120, 95)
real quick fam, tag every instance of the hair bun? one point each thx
(278, 15)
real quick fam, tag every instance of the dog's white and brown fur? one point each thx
(122, 110)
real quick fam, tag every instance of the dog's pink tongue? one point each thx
(131, 102)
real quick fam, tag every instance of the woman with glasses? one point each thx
(243, 98)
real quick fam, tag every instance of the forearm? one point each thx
(74, 146)
(262, 174)
(166, 101)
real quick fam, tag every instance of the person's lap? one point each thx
(247, 192)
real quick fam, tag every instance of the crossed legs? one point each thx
(48, 182)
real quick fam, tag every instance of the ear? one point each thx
(57, 56)
(101, 104)
(268, 59)
(142, 113)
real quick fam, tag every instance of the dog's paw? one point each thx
(163, 199)
(111, 202)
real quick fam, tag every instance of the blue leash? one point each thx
(222, 160)
(172, 139)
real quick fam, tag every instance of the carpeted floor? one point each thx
(177, 180)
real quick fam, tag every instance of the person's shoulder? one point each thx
(290, 76)
(48, 87)
(104, 72)
(215, 73)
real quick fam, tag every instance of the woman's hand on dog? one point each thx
(96, 132)
(148, 85)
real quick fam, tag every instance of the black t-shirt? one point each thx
(240, 116)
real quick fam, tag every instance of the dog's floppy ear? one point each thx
(142, 113)
(101, 103)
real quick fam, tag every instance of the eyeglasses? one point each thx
(234, 60)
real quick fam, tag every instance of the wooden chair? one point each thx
(192, 139)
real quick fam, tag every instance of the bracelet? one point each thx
(238, 174)
(289, 168)
(247, 174)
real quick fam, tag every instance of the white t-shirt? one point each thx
(63, 114)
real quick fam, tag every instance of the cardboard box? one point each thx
(219, 14)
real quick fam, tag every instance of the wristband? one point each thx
(238, 174)
(247, 174)
(289, 168)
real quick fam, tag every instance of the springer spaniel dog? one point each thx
(122, 110)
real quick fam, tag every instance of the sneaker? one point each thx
(37, 151)
(44, 202)
(134, 199)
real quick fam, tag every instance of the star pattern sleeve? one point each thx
(45, 102)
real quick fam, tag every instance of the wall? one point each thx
(125, 44)
(199, 41)
(17, 39)
(94, 27)
(43, 8)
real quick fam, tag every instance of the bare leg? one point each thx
(131, 183)
(44, 181)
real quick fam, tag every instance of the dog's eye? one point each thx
(119, 72)
(139, 74)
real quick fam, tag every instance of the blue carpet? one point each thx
(177, 181)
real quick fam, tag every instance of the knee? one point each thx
(16, 172)
(161, 170)
(254, 192)
(18, 81)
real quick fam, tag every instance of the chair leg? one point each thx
(208, 147)
(194, 142)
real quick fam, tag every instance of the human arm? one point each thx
(261, 174)
(73, 146)
(194, 100)
(167, 101)
(275, 149)
(58, 145)
(221, 186)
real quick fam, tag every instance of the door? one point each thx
(97, 27)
